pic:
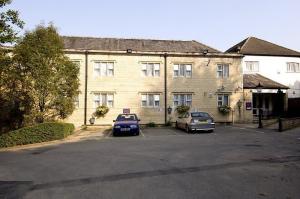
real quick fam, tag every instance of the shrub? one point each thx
(151, 124)
(34, 134)
(224, 109)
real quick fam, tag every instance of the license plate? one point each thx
(202, 122)
(125, 129)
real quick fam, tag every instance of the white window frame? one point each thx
(182, 99)
(150, 69)
(103, 68)
(293, 67)
(221, 72)
(145, 100)
(98, 98)
(221, 99)
(252, 66)
(182, 70)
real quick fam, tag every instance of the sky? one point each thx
(216, 23)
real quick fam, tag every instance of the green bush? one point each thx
(38, 133)
(151, 124)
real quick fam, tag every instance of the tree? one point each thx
(50, 78)
(9, 22)
(12, 102)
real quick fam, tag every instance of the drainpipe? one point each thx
(165, 68)
(85, 86)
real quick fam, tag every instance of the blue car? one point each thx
(126, 124)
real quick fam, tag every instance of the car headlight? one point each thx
(117, 127)
(209, 121)
(133, 126)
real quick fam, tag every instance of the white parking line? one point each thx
(142, 133)
(109, 135)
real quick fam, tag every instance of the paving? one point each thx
(231, 162)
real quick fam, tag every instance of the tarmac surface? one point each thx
(231, 162)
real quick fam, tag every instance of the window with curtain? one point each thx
(222, 70)
(252, 66)
(103, 99)
(151, 69)
(182, 99)
(293, 67)
(182, 70)
(150, 100)
(223, 100)
(103, 69)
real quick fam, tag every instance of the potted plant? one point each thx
(182, 110)
(224, 109)
(101, 111)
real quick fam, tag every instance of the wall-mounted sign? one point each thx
(248, 105)
(126, 110)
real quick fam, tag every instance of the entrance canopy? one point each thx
(251, 81)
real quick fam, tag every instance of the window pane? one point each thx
(188, 67)
(156, 97)
(176, 67)
(226, 71)
(156, 66)
(151, 100)
(144, 97)
(110, 66)
(225, 102)
(181, 70)
(103, 69)
(175, 97)
(104, 99)
(110, 104)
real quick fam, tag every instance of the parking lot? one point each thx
(231, 162)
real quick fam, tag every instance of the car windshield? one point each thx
(200, 114)
(126, 117)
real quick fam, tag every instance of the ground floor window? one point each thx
(223, 100)
(182, 99)
(103, 99)
(150, 100)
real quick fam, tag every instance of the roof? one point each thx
(255, 46)
(143, 45)
(252, 80)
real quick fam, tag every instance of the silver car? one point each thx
(195, 121)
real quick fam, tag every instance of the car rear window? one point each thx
(200, 114)
(126, 117)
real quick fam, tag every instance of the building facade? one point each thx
(275, 68)
(150, 77)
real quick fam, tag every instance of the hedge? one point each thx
(34, 134)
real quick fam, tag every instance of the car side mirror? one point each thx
(139, 120)
(114, 120)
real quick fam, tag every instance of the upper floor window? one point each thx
(293, 67)
(182, 99)
(223, 100)
(223, 71)
(252, 66)
(182, 70)
(103, 99)
(150, 100)
(151, 69)
(103, 69)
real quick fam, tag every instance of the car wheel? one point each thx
(114, 134)
(187, 129)
(137, 133)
